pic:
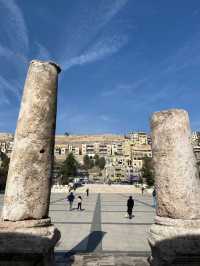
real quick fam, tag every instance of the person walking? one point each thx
(142, 189)
(71, 198)
(154, 198)
(79, 203)
(130, 204)
(87, 192)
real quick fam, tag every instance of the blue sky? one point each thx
(121, 60)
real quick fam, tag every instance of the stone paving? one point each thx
(104, 188)
(101, 233)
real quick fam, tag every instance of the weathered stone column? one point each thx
(176, 231)
(26, 231)
(28, 184)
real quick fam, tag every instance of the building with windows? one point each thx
(140, 138)
(196, 138)
(124, 154)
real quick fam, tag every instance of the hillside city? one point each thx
(124, 155)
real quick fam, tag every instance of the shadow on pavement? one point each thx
(88, 244)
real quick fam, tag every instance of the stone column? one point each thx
(26, 230)
(29, 178)
(176, 232)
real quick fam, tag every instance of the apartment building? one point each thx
(124, 155)
(118, 168)
(89, 149)
(140, 138)
(104, 149)
(115, 167)
(6, 147)
(117, 148)
(196, 138)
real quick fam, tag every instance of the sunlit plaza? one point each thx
(101, 228)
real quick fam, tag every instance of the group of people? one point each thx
(130, 202)
(71, 199)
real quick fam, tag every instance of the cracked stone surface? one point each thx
(28, 184)
(174, 238)
(176, 175)
(102, 260)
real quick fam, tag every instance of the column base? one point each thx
(174, 242)
(28, 243)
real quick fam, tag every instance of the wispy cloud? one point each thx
(10, 87)
(88, 42)
(14, 47)
(14, 28)
(98, 51)
(10, 55)
(186, 56)
(165, 85)
(112, 10)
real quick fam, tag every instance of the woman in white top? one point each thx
(79, 203)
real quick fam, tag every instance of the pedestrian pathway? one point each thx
(102, 228)
(101, 232)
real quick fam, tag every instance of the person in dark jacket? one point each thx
(154, 198)
(130, 204)
(70, 199)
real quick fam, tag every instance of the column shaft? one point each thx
(29, 178)
(177, 180)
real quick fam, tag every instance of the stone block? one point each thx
(174, 241)
(28, 243)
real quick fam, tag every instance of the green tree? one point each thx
(91, 163)
(4, 165)
(96, 160)
(87, 162)
(69, 169)
(147, 171)
(102, 163)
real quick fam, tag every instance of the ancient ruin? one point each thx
(175, 236)
(27, 234)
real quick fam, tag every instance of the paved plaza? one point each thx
(102, 227)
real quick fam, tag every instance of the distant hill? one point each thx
(88, 138)
(6, 136)
(61, 139)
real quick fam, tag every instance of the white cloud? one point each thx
(14, 29)
(98, 51)
(112, 10)
(14, 45)
(8, 86)
(85, 33)
(10, 55)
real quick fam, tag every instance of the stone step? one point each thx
(101, 259)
